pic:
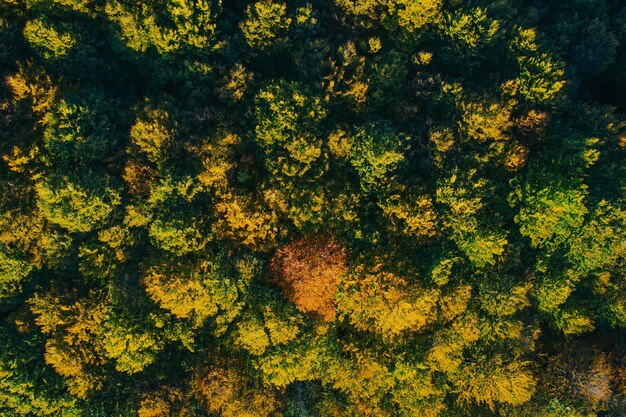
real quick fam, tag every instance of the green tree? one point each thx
(376, 153)
(288, 130)
(77, 205)
(27, 387)
(13, 271)
(550, 212)
(81, 129)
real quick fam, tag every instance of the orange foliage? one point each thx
(533, 124)
(308, 270)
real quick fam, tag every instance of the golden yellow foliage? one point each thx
(454, 304)
(31, 83)
(240, 220)
(154, 407)
(216, 160)
(251, 335)
(228, 393)
(75, 345)
(361, 376)
(48, 41)
(412, 216)
(516, 157)
(415, 392)
(151, 134)
(280, 329)
(384, 303)
(446, 354)
(348, 79)
(190, 291)
(494, 380)
(485, 122)
(164, 402)
(265, 24)
(501, 303)
(414, 14)
(235, 85)
(191, 25)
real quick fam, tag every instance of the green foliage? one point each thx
(482, 248)
(600, 243)
(175, 237)
(376, 152)
(415, 392)
(74, 206)
(550, 214)
(81, 130)
(26, 389)
(501, 303)
(302, 360)
(288, 118)
(12, 273)
(132, 351)
(540, 79)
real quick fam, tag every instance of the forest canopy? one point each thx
(331, 208)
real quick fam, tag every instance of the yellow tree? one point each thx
(227, 392)
(190, 291)
(256, 332)
(266, 24)
(75, 347)
(171, 27)
(495, 379)
(77, 206)
(240, 219)
(163, 402)
(50, 43)
(386, 304)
